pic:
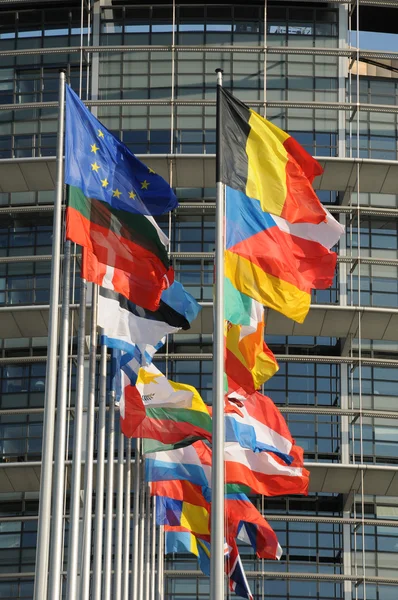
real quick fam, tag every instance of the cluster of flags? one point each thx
(278, 248)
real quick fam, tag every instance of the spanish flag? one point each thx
(267, 164)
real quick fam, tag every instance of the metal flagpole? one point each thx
(88, 470)
(109, 504)
(141, 539)
(117, 586)
(127, 524)
(217, 584)
(147, 543)
(160, 581)
(73, 542)
(153, 549)
(135, 575)
(44, 523)
(99, 491)
(54, 586)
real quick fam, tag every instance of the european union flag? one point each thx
(105, 169)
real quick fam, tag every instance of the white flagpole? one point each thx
(74, 519)
(127, 523)
(160, 574)
(54, 585)
(109, 503)
(147, 542)
(135, 575)
(153, 549)
(88, 471)
(99, 491)
(44, 523)
(141, 538)
(117, 586)
(217, 583)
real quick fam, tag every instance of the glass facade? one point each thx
(153, 84)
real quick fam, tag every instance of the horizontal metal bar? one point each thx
(270, 49)
(292, 576)
(297, 410)
(203, 256)
(296, 358)
(343, 106)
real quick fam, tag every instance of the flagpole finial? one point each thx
(219, 70)
(62, 70)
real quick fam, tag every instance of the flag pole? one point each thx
(136, 522)
(88, 470)
(54, 585)
(99, 491)
(127, 523)
(74, 518)
(44, 523)
(153, 549)
(117, 587)
(148, 539)
(109, 501)
(141, 536)
(217, 584)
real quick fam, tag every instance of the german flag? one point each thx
(267, 164)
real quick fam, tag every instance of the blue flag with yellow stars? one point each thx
(102, 167)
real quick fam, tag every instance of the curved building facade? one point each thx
(328, 74)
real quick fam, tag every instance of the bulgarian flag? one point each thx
(163, 410)
(112, 197)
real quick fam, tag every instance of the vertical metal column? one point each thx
(54, 586)
(153, 550)
(88, 471)
(117, 587)
(217, 583)
(109, 504)
(44, 523)
(160, 570)
(127, 523)
(148, 545)
(141, 538)
(135, 575)
(99, 491)
(73, 542)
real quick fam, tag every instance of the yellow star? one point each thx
(145, 185)
(104, 182)
(145, 377)
(100, 134)
(94, 148)
(116, 193)
(151, 171)
(95, 167)
(132, 195)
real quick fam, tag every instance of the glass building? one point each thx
(325, 72)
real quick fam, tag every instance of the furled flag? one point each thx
(180, 503)
(165, 410)
(274, 262)
(248, 361)
(237, 577)
(257, 424)
(179, 539)
(266, 164)
(111, 198)
(265, 473)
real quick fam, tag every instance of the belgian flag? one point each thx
(267, 164)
